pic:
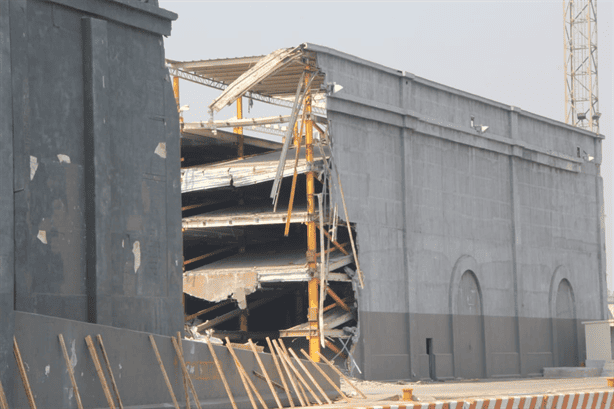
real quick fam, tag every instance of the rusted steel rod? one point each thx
(206, 310)
(335, 243)
(337, 299)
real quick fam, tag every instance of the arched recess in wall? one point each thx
(562, 305)
(467, 320)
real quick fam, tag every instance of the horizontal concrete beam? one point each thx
(403, 74)
(466, 135)
(132, 13)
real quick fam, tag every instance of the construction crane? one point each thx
(581, 96)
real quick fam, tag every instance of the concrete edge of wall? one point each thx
(132, 13)
(459, 134)
(400, 73)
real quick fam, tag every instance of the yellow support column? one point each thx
(312, 315)
(176, 92)
(239, 130)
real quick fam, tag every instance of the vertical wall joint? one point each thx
(97, 160)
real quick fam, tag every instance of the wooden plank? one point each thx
(219, 369)
(103, 380)
(248, 389)
(298, 375)
(108, 365)
(245, 384)
(184, 369)
(3, 402)
(282, 346)
(185, 382)
(281, 375)
(311, 378)
(244, 372)
(71, 373)
(342, 375)
(275, 384)
(264, 372)
(23, 374)
(168, 382)
(315, 365)
(289, 374)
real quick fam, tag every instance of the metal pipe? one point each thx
(297, 143)
(312, 315)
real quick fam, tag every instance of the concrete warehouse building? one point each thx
(478, 226)
(481, 250)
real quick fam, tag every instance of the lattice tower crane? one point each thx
(581, 96)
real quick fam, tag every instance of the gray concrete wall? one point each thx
(86, 100)
(7, 259)
(433, 198)
(136, 370)
(97, 210)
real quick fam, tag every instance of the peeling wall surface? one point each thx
(482, 251)
(89, 148)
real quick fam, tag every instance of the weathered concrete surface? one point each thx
(97, 205)
(571, 372)
(139, 379)
(489, 244)
(89, 158)
(7, 258)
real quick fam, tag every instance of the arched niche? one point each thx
(466, 308)
(562, 305)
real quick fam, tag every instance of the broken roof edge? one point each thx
(404, 74)
(265, 67)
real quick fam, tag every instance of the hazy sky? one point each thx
(508, 51)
